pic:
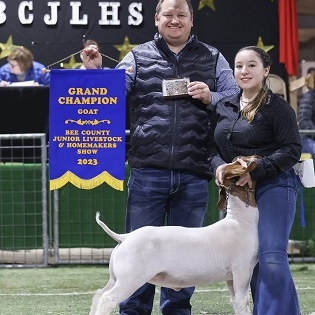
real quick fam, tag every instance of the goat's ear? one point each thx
(251, 166)
(222, 198)
(235, 170)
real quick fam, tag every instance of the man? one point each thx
(169, 176)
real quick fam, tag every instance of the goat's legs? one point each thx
(231, 289)
(240, 300)
(98, 295)
(109, 299)
(236, 300)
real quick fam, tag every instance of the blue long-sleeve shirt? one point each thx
(34, 73)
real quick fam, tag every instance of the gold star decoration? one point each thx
(6, 48)
(206, 3)
(72, 64)
(124, 48)
(261, 45)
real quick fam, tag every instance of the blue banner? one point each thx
(87, 114)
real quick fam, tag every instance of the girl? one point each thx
(256, 121)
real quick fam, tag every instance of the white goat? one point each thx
(178, 257)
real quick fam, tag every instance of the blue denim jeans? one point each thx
(272, 285)
(163, 197)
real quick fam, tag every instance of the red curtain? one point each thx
(288, 36)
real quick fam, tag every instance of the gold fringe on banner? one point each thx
(69, 177)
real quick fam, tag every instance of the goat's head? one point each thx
(231, 173)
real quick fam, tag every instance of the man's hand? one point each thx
(91, 57)
(200, 90)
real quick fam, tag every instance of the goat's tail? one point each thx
(117, 237)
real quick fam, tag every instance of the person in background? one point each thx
(259, 122)
(169, 133)
(306, 118)
(21, 67)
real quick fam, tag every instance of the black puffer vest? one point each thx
(170, 133)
